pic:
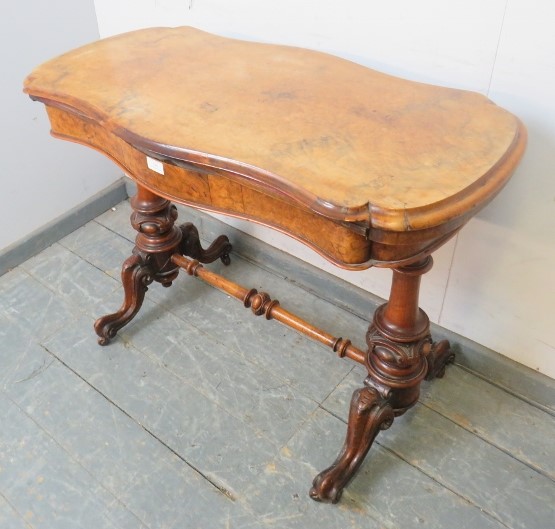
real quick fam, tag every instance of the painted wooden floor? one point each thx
(201, 416)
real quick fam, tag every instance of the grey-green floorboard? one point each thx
(200, 415)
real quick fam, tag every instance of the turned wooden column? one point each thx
(158, 238)
(399, 340)
(400, 355)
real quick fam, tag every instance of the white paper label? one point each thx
(155, 165)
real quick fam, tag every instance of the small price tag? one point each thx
(155, 165)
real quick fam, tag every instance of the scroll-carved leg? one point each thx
(191, 247)
(439, 356)
(369, 413)
(136, 275)
(158, 238)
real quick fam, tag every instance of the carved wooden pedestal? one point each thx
(400, 355)
(157, 240)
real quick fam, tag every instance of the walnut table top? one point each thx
(372, 152)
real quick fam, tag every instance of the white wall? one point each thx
(495, 282)
(41, 178)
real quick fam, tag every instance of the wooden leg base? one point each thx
(368, 415)
(400, 351)
(400, 355)
(158, 239)
(438, 358)
(190, 246)
(372, 409)
(136, 275)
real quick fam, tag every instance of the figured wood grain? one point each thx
(344, 244)
(345, 141)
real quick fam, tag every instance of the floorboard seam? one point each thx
(70, 304)
(370, 511)
(300, 426)
(333, 414)
(47, 285)
(217, 486)
(8, 502)
(79, 256)
(55, 330)
(336, 386)
(69, 455)
(501, 449)
(229, 347)
(159, 363)
(444, 486)
(507, 390)
(112, 231)
(396, 454)
(422, 471)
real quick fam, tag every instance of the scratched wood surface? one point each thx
(214, 418)
(336, 135)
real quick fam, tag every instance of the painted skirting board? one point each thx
(35, 242)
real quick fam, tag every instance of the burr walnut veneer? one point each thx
(364, 168)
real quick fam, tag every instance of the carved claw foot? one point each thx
(369, 413)
(191, 247)
(439, 356)
(136, 275)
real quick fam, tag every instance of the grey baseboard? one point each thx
(48, 234)
(485, 363)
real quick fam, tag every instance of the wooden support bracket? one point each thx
(261, 304)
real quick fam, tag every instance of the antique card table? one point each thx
(364, 168)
